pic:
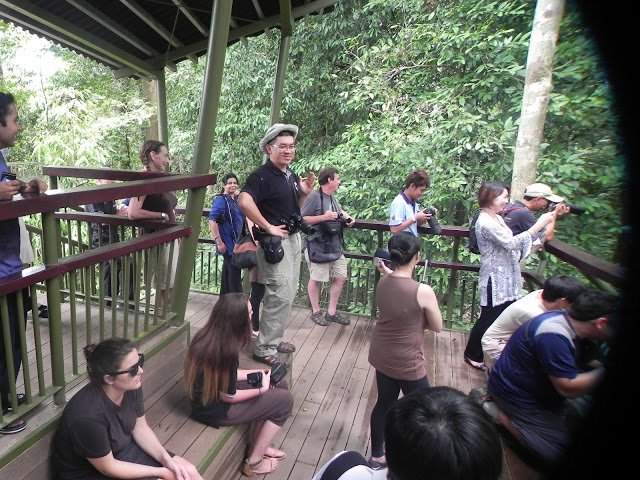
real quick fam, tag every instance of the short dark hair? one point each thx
(106, 357)
(562, 286)
(226, 178)
(592, 304)
(6, 100)
(441, 434)
(488, 192)
(326, 174)
(402, 247)
(419, 177)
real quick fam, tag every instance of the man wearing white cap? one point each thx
(519, 215)
(271, 197)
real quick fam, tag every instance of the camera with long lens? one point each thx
(295, 223)
(575, 209)
(434, 225)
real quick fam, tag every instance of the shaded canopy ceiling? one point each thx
(140, 37)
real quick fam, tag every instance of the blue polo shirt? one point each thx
(401, 209)
(9, 239)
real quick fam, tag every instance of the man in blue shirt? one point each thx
(405, 213)
(537, 371)
(10, 262)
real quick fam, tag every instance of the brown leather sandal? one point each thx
(266, 465)
(286, 347)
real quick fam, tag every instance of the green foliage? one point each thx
(377, 87)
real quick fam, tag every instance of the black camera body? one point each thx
(344, 220)
(296, 223)
(254, 379)
(433, 221)
(575, 209)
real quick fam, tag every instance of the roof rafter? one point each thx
(81, 37)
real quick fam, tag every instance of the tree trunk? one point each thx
(538, 86)
(150, 91)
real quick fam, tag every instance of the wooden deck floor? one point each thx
(332, 384)
(334, 389)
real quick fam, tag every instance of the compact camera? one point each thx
(254, 379)
(296, 223)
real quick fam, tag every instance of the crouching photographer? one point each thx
(324, 250)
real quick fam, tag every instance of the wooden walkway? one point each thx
(332, 383)
(334, 390)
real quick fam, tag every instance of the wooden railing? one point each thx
(71, 272)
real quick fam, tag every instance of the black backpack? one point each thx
(473, 240)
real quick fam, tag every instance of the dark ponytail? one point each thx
(402, 247)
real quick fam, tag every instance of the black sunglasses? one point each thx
(133, 371)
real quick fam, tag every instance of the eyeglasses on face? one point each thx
(133, 371)
(285, 147)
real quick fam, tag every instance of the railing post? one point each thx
(50, 257)
(453, 280)
(374, 307)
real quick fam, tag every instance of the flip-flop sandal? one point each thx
(275, 453)
(14, 427)
(266, 465)
(286, 347)
(477, 365)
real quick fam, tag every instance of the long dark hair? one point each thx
(214, 349)
(106, 357)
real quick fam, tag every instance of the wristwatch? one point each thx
(164, 216)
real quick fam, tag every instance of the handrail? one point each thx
(51, 200)
(588, 264)
(101, 173)
(32, 275)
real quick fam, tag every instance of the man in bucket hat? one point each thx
(519, 215)
(271, 198)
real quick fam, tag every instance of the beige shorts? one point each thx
(321, 272)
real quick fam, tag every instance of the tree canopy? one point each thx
(377, 87)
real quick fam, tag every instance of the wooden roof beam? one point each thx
(155, 25)
(91, 42)
(99, 17)
(250, 29)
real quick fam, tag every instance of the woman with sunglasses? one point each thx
(103, 432)
(219, 391)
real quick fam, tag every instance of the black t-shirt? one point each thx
(213, 412)
(518, 217)
(275, 192)
(91, 426)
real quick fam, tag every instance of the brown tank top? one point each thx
(397, 343)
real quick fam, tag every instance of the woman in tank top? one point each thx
(407, 308)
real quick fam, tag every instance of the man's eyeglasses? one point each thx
(285, 147)
(133, 371)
